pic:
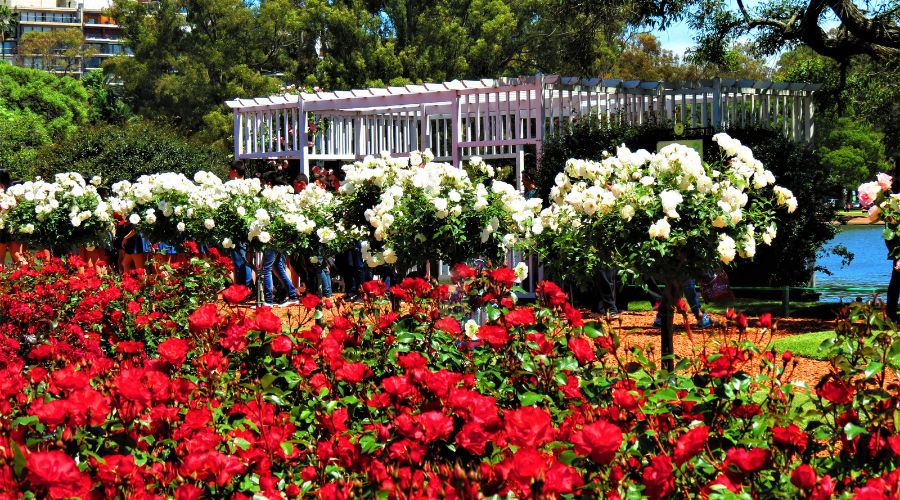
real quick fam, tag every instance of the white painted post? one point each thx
(454, 129)
(302, 139)
(717, 104)
(238, 137)
(809, 108)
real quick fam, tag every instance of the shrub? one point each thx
(380, 403)
(796, 166)
(127, 152)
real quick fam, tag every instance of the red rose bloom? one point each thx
(282, 344)
(551, 294)
(583, 349)
(804, 477)
(310, 301)
(503, 276)
(765, 320)
(203, 318)
(746, 461)
(691, 443)
(495, 336)
(56, 472)
(374, 288)
(835, 391)
(235, 294)
(353, 373)
(520, 317)
(599, 440)
(461, 272)
(449, 325)
(657, 478)
(790, 437)
(173, 351)
(435, 425)
(528, 426)
(473, 438)
(561, 478)
(267, 321)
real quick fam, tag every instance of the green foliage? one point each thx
(106, 105)
(35, 109)
(126, 152)
(853, 152)
(61, 50)
(806, 344)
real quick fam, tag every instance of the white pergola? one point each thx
(498, 118)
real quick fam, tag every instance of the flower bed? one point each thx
(421, 402)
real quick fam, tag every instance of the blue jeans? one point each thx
(271, 259)
(690, 296)
(243, 273)
(323, 277)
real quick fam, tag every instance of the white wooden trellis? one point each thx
(498, 118)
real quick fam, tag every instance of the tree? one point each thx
(58, 50)
(853, 152)
(7, 23)
(35, 109)
(871, 30)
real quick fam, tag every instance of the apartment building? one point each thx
(101, 32)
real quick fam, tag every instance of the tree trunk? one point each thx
(671, 295)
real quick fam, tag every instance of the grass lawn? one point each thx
(755, 307)
(806, 345)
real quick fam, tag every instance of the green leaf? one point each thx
(241, 443)
(873, 368)
(27, 420)
(530, 398)
(852, 430)
(287, 447)
(18, 459)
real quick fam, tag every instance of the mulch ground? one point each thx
(635, 329)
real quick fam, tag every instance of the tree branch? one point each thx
(871, 30)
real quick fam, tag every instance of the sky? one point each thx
(680, 37)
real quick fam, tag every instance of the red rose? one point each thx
(786, 357)
(473, 438)
(599, 440)
(583, 349)
(835, 391)
(281, 344)
(528, 426)
(461, 272)
(790, 437)
(130, 347)
(804, 477)
(375, 288)
(173, 351)
(495, 336)
(690, 444)
(353, 373)
(746, 461)
(56, 472)
(657, 478)
(435, 425)
(573, 315)
(203, 318)
(267, 321)
(765, 320)
(235, 294)
(522, 469)
(310, 301)
(561, 479)
(520, 317)
(188, 492)
(503, 276)
(551, 294)
(741, 320)
(449, 325)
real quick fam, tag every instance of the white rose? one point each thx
(134, 219)
(227, 243)
(727, 248)
(670, 201)
(521, 270)
(209, 223)
(660, 229)
(264, 237)
(181, 227)
(471, 329)
(390, 257)
(627, 212)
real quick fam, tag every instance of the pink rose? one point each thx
(868, 192)
(884, 180)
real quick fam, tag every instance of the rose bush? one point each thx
(536, 402)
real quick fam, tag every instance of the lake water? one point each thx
(869, 268)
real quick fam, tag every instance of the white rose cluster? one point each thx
(678, 200)
(67, 211)
(413, 198)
